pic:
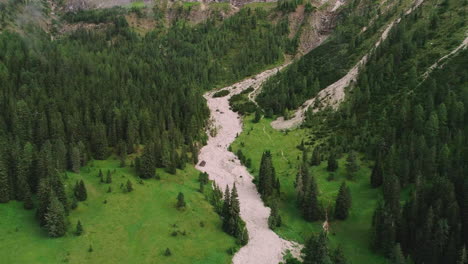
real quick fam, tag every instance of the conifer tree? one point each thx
(226, 210)
(83, 191)
(397, 255)
(75, 160)
(101, 176)
(343, 202)
(234, 212)
(23, 171)
(203, 178)
(391, 193)
(182, 159)
(180, 200)
(99, 140)
(240, 155)
(74, 203)
(79, 229)
(274, 220)
(304, 152)
(299, 185)
(384, 229)
(109, 177)
(174, 160)
(43, 197)
(316, 250)
(248, 163)
(267, 178)
(316, 159)
(4, 183)
(332, 163)
(244, 234)
(55, 218)
(237, 225)
(338, 256)
(80, 191)
(258, 116)
(28, 202)
(59, 190)
(194, 150)
(463, 259)
(129, 186)
(377, 174)
(216, 200)
(310, 205)
(351, 165)
(147, 164)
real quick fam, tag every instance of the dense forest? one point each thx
(93, 93)
(415, 129)
(329, 61)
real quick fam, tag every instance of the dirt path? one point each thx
(265, 246)
(440, 62)
(334, 94)
(257, 81)
(269, 137)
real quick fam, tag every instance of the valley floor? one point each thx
(264, 247)
(353, 234)
(135, 227)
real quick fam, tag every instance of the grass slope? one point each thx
(352, 234)
(132, 227)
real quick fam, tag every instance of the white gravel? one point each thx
(334, 94)
(265, 246)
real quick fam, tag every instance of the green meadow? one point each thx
(121, 227)
(353, 234)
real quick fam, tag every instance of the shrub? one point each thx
(221, 93)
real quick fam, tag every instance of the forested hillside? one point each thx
(358, 26)
(414, 128)
(94, 93)
(386, 171)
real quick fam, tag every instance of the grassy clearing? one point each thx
(188, 5)
(132, 227)
(354, 233)
(136, 5)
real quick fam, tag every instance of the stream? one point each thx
(265, 246)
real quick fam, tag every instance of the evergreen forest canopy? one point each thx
(94, 93)
(415, 129)
(328, 62)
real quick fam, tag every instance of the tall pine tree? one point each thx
(343, 202)
(4, 183)
(316, 250)
(311, 208)
(55, 218)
